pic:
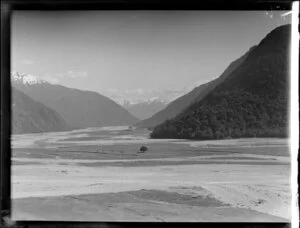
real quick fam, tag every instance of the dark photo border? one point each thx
(7, 8)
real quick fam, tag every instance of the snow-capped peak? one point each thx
(26, 78)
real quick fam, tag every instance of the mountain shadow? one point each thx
(80, 109)
(30, 116)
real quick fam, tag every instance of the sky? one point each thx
(135, 55)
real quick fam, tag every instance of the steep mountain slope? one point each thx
(183, 102)
(145, 109)
(30, 116)
(251, 102)
(80, 109)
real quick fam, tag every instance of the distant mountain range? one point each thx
(78, 108)
(144, 109)
(30, 116)
(250, 99)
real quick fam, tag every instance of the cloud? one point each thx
(112, 90)
(53, 80)
(72, 74)
(56, 77)
(27, 62)
(140, 91)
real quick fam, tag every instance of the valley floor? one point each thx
(55, 178)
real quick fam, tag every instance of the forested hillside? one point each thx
(251, 102)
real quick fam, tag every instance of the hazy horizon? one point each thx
(129, 55)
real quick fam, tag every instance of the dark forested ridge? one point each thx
(30, 116)
(251, 102)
